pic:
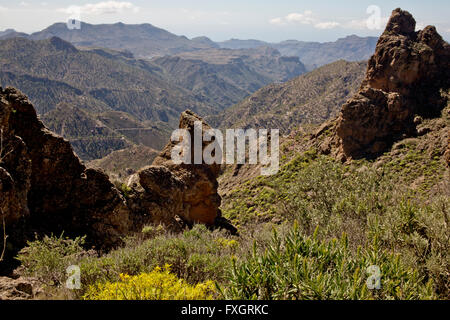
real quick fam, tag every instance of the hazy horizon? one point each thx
(322, 21)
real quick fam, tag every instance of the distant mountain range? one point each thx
(103, 100)
(224, 77)
(11, 33)
(128, 96)
(147, 41)
(107, 87)
(143, 40)
(315, 54)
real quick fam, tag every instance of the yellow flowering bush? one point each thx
(227, 243)
(159, 284)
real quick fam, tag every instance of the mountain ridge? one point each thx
(148, 41)
(315, 54)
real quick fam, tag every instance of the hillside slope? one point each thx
(309, 99)
(225, 77)
(53, 72)
(394, 202)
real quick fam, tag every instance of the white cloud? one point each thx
(306, 18)
(374, 21)
(363, 24)
(327, 25)
(100, 8)
(357, 24)
(303, 18)
(277, 21)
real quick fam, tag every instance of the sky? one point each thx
(268, 20)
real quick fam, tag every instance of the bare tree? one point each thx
(3, 152)
(2, 254)
(2, 156)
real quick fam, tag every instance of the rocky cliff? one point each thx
(45, 188)
(404, 80)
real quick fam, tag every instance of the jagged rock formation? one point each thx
(173, 193)
(404, 80)
(45, 188)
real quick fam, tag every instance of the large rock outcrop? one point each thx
(175, 194)
(403, 80)
(44, 187)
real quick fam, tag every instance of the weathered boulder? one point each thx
(19, 289)
(44, 187)
(404, 78)
(181, 191)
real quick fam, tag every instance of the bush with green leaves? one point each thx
(48, 258)
(298, 267)
(196, 255)
(363, 200)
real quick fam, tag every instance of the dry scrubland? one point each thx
(310, 232)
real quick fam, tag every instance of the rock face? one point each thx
(179, 192)
(19, 289)
(45, 188)
(403, 80)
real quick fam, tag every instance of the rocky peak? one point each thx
(179, 192)
(401, 23)
(404, 79)
(61, 45)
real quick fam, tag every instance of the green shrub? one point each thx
(300, 267)
(123, 188)
(48, 258)
(197, 255)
